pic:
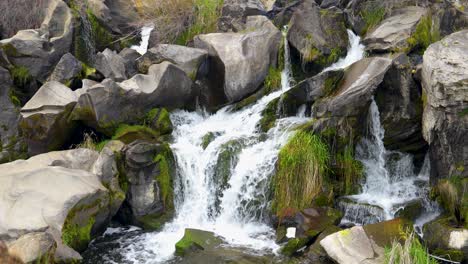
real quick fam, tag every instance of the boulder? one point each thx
(234, 13)
(239, 62)
(106, 105)
(130, 57)
(318, 37)
(34, 247)
(446, 240)
(188, 59)
(45, 119)
(66, 70)
(11, 145)
(195, 240)
(393, 33)
(55, 193)
(445, 99)
(312, 221)
(148, 169)
(111, 65)
(120, 16)
(315, 253)
(38, 50)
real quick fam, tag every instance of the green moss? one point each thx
(159, 120)
(463, 113)
(452, 254)
(269, 116)
(372, 16)
(424, 35)
(196, 240)
(122, 176)
(334, 55)
(273, 79)
(294, 245)
(331, 84)
(302, 167)
(129, 133)
(86, 71)
(21, 76)
(14, 98)
(102, 38)
(349, 171)
(155, 222)
(207, 139)
(10, 50)
(165, 161)
(451, 194)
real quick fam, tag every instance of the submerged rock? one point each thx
(195, 240)
(445, 99)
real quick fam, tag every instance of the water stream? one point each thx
(142, 48)
(235, 208)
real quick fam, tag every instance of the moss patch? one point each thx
(194, 240)
(21, 76)
(372, 16)
(293, 245)
(425, 34)
(155, 222)
(269, 116)
(128, 133)
(159, 120)
(273, 79)
(165, 160)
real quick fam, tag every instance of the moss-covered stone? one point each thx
(208, 138)
(269, 116)
(159, 120)
(195, 240)
(155, 222)
(129, 133)
(166, 163)
(451, 254)
(293, 245)
(411, 211)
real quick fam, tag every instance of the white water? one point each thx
(355, 53)
(238, 214)
(390, 181)
(142, 48)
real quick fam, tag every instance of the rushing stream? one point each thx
(235, 209)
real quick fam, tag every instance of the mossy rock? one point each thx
(437, 233)
(313, 221)
(269, 116)
(208, 138)
(154, 222)
(315, 252)
(384, 233)
(293, 245)
(166, 162)
(159, 120)
(130, 133)
(194, 240)
(410, 211)
(451, 254)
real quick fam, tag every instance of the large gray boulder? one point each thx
(188, 59)
(239, 62)
(318, 35)
(235, 12)
(11, 145)
(39, 50)
(34, 247)
(67, 69)
(393, 33)
(111, 65)
(45, 121)
(106, 105)
(57, 194)
(445, 117)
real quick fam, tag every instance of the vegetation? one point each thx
(349, 170)
(273, 79)
(269, 116)
(452, 195)
(159, 120)
(21, 76)
(165, 161)
(372, 16)
(178, 21)
(310, 52)
(102, 38)
(302, 165)
(129, 133)
(425, 34)
(90, 142)
(411, 252)
(18, 15)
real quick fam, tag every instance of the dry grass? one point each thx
(20, 14)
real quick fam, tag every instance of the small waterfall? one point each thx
(355, 53)
(142, 48)
(390, 181)
(87, 39)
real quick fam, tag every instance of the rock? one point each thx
(445, 99)
(239, 61)
(235, 13)
(318, 37)
(312, 221)
(45, 121)
(111, 65)
(195, 240)
(315, 253)
(393, 33)
(188, 59)
(130, 57)
(148, 169)
(159, 120)
(66, 70)
(445, 240)
(34, 247)
(120, 16)
(11, 145)
(294, 245)
(54, 193)
(38, 50)
(106, 105)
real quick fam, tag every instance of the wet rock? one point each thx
(318, 36)
(315, 252)
(188, 59)
(239, 62)
(312, 221)
(445, 240)
(34, 247)
(234, 13)
(45, 121)
(393, 33)
(111, 65)
(54, 193)
(66, 70)
(445, 99)
(195, 240)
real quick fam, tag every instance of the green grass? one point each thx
(411, 252)
(302, 166)
(452, 195)
(21, 76)
(372, 16)
(205, 21)
(349, 170)
(273, 79)
(424, 35)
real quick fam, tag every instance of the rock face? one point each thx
(119, 15)
(393, 32)
(45, 122)
(235, 13)
(34, 247)
(66, 69)
(188, 59)
(438, 234)
(445, 97)
(39, 50)
(53, 194)
(240, 61)
(10, 141)
(111, 65)
(105, 105)
(317, 35)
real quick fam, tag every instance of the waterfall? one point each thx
(355, 53)
(87, 38)
(233, 206)
(142, 48)
(390, 181)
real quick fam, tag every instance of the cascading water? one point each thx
(232, 207)
(390, 181)
(142, 48)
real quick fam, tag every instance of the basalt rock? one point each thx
(111, 65)
(66, 70)
(234, 14)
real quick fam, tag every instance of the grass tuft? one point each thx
(411, 252)
(425, 34)
(273, 79)
(302, 165)
(372, 16)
